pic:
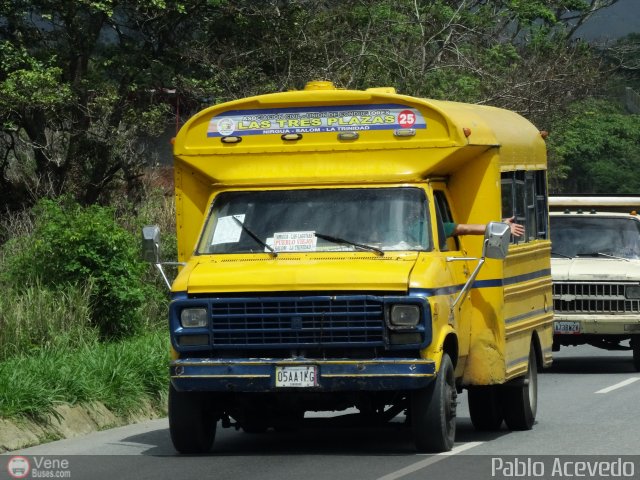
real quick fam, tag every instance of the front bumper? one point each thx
(258, 375)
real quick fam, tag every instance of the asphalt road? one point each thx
(587, 406)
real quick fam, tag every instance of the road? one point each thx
(587, 405)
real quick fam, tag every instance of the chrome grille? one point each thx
(608, 298)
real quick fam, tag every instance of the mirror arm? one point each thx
(467, 286)
(161, 270)
(164, 276)
(469, 283)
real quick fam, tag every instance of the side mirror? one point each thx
(496, 240)
(151, 243)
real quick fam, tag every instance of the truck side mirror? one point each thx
(496, 240)
(151, 243)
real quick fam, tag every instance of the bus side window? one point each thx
(524, 196)
(443, 213)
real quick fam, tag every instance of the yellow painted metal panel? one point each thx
(297, 272)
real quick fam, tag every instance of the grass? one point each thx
(122, 375)
(50, 348)
(34, 317)
(51, 354)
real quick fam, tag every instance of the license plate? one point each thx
(566, 327)
(304, 376)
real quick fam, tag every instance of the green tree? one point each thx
(597, 145)
(79, 82)
(624, 56)
(84, 83)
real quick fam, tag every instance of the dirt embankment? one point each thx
(67, 422)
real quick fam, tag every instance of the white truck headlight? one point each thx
(404, 316)
(632, 291)
(193, 317)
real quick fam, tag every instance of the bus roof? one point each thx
(322, 119)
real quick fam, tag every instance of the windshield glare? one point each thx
(286, 220)
(592, 236)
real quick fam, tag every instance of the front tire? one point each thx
(520, 403)
(192, 423)
(433, 411)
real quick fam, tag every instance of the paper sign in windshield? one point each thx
(315, 120)
(293, 241)
(227, 230)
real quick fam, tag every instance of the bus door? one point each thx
(459, 271)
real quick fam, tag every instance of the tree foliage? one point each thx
(598, 146)
(85, 84)
(624, 57)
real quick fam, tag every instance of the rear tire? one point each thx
(485, 408)
(433, 411)
(520, 403)
(192, 424)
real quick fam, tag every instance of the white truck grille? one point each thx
(596, 298)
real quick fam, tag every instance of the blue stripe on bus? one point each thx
(527, 276)
(490, 283)
(525, 316)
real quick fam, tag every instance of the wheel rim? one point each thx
(451, 404)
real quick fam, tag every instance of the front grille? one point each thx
(297, 321)
(607, 298)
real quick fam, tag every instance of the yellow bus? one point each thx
(320, 274)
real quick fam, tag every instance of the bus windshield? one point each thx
(592, 236)
(317, 220)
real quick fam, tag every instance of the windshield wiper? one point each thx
(600, 254)
(342, 241)
(255, 237)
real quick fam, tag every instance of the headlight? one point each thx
(404, 316)
(193, 317)
(632, 291)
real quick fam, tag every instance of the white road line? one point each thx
(429, 461)
(619, 385)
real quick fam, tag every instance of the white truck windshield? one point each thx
(595, 236)
(314, 220)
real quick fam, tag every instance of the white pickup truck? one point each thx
(595, 266)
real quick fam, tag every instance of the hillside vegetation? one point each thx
(91, 90)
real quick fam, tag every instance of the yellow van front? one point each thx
(305, 285)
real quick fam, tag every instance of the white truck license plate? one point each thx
(566, 327)
(304, 376)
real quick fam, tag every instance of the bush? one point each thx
(76, 246)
